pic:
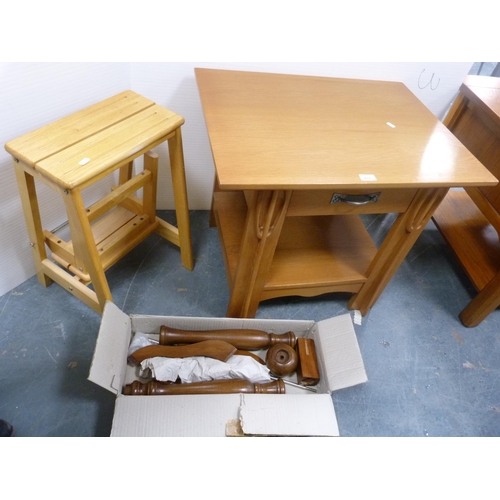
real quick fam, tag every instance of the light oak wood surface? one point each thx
(470, 220)
(77, 151)
(270, 131)
(286, 146)
(108, 133)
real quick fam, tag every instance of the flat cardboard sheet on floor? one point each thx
(296, 413)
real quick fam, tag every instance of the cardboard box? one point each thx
(296, 413)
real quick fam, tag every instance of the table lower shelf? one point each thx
(314, 255)
(474, 241)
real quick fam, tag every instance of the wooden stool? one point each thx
(73, 153)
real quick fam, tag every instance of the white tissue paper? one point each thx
(139, 341)
(200, 369)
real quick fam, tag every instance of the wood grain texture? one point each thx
(308, 370)
(470, 220)
(155, 388)
(303, 132)
(474, 241)
(241, 338)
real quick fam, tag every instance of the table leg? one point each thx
(264, 221)
(216, 188)
(29, 200)
(398, 242)
(180, 197)
(458, 106)
(485, 302)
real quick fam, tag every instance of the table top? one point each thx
(485, 91)
(275, 131)
(90, 142)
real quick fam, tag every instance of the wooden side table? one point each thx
(73, 153)
(470, 220)
(298, 159)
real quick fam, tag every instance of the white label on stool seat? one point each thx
(84, 161)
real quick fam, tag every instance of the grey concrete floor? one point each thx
(428, 374)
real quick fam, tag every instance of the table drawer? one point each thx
(354, 201)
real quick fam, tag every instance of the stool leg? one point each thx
(149, 190)
(125, 173)
(180, 197)
(29, 201)
(84, 245)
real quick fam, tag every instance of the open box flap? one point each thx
(340, 355)
(110, 355)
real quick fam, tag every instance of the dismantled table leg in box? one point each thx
(241, 339)
(155, 388)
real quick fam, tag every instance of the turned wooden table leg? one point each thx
(265, 217)
(398, 242)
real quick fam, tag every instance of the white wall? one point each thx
(33, 94)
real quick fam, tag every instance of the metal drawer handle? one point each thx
(355, 199)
